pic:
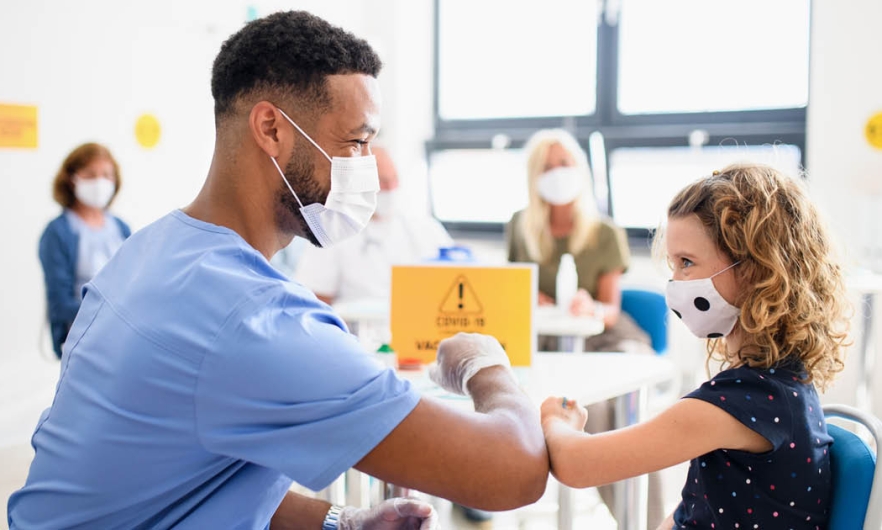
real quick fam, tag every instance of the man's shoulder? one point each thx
(415, 222)
(188, 269)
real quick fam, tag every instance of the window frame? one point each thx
(749, 127)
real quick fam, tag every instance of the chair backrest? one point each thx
(649, 309)
(856, 501)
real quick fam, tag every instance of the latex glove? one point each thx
(392, 514)
(462, 356)
(568, 411)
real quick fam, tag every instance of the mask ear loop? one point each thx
(304, 134)
(721, 272)
(286, 181)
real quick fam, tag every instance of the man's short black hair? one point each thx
(287, 54)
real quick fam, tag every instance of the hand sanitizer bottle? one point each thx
(567, 282)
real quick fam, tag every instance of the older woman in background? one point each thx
(77, 243)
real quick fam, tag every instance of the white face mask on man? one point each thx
(351, 201)
(701, 307)
(94, 192)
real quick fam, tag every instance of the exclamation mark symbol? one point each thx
(460, 296)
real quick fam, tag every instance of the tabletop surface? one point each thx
(587, 377)
(552, 320)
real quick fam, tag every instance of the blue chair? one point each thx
(649, 309)
(856, 501)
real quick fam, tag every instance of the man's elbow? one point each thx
(535, 485)
(523, 485)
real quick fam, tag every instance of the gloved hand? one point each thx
(460, 357)
(393, 514)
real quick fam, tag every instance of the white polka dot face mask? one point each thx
(701, 307)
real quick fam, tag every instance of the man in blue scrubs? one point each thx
(197, 382)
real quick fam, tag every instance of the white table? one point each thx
(572, 330)
(590, 378)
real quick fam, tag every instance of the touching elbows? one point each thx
(519, 479)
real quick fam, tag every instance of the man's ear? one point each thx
(266, 127)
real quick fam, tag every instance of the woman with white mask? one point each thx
(76, 244)
(561, 219)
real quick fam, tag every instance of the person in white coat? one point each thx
(360, 268)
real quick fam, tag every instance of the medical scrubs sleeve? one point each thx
(286, 376)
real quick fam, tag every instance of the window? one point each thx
(496, 56)
(477, 185)
(712, 65)
(680, 87)
(643, 180)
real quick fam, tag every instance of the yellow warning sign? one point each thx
(432, 302)
(18, 126)
(873, 130)
(461, 299)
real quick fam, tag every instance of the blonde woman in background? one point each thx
(562, 217)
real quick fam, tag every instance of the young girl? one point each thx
(752, 272)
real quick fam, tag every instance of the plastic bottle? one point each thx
(567, 282)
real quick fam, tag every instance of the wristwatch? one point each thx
(332, 518)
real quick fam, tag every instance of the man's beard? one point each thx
(299, 172)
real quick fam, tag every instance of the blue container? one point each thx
(456, 254)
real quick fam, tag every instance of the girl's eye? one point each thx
(686, 262)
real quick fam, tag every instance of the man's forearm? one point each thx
(495, 392)
(297, 512)
(494, 388)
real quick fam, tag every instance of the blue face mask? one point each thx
(701, 307)
(351, 202)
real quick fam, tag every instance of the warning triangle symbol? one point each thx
(461, 299)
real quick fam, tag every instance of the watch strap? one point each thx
(332, 518)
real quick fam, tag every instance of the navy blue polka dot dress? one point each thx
(785, 488)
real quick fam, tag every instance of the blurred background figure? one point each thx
(360, 267)
(76, 244)
(562, 218)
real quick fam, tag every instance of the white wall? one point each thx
(93, 66)
(845, 172)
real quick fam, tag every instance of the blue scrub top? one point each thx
(197, 382)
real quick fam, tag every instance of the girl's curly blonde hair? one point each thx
(793, 301)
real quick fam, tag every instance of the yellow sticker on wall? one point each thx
(147, 130)
(433, 302)
(18, 126)
(873, 130)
